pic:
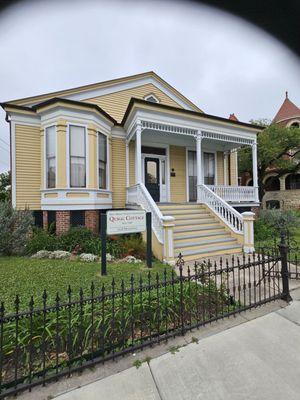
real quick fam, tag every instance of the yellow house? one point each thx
(134, 142)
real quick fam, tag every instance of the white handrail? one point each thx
(228, 214)
(235, 193)
(138, 194)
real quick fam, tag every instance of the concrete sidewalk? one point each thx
(258, 359)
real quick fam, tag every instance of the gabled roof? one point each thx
(287, 110)
(56, 100)
(101, 85)
(164, 107)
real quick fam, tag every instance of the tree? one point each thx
(5, 186)
(278, 149)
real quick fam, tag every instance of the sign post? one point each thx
(149, 239)
(103, 221)
(125, 222)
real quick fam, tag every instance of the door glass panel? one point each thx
(192, 171)
(209, 168)
(152, 176)
(163, 172)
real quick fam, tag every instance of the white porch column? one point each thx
(127, 164)
(138, 153)
(199, 163)
(254, 169)
(225, 153)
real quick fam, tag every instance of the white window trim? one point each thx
(202, 166)
(45, 156)
(107, 161)
(68, 171)
(161, 146)
(151, 95)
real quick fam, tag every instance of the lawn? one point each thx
(26, 277)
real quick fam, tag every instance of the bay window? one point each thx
(102, 160)
(50, 134)
(77, 156)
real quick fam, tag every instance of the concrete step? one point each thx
(198, 228)
(181, 206)
(185, 212)
(194, 237)
(191, 217)
(204, 243)
(190, 255)
(189, 223)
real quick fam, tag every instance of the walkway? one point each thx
(258, 359)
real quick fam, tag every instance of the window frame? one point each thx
(68, 155)
(46, 158)
(107, 161)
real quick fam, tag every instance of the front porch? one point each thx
(184, 171)
(172, 166)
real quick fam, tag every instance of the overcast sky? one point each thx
(220, 62)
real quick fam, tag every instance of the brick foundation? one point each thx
(45, 220)
(62, 221)
(92, 220)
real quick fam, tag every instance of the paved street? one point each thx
(258, 359)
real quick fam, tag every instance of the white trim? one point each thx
(148, 96)
(45, 155)
(13, 164)
(68, 155)
(127, 163)
(116, 87)
(23, 119)
(107, 161)
(66, 203)
(166, 158)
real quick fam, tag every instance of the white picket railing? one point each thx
(228, 214)
(235, 193)
(138, 194)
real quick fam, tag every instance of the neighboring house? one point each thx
(282, 192)
(127, 143)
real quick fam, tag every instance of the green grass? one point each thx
(26, 277)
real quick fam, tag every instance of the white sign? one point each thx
(125, 222)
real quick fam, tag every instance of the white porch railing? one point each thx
(228, 214)
(138, 194)
(236, 193)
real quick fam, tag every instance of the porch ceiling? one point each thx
(165, 138)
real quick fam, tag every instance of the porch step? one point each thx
(205, 243)
(198, 233)
(190, 255)
(188, 237)
(198, 229)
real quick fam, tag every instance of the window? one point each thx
(163, 172)
(77, 156)
(292, 182)
(77, 218)
(151, 98)
(272, 204)
(102, 160)
(272, 183)
(209, 168)
(38, 218)
(50, 156)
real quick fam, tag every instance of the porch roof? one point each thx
(134, 102)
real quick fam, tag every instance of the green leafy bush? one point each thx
(278, 221)
(109, 324)
(15, 228)
(41, 240)
(85, 241)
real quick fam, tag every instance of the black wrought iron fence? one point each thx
(42, 344)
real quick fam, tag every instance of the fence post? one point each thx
(283, 249)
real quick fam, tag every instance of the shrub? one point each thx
(76, 236)
(41, 240)
(278, 221)
(15, 228)
(134, 246)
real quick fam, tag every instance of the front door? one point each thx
(152, 177)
